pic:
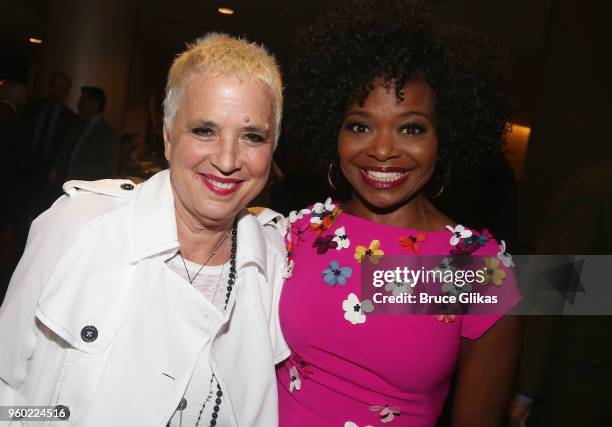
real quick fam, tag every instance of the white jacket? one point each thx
(90, 321)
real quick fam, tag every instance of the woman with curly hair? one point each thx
(393, 108)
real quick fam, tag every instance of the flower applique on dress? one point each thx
(299, 370)
(461, 254)
(322, 217)
(411, 243)
(355, 310)
(295, 381)
(352, 424)
(504, 256)
(445, 270)
(320, 210)
(459, 233)
(289, 269)
(453, 289)
(475, 241)
(387, 413)
(297, 215)
(336, 274)
(493, 273)
(398, 288)
(445, 318)
(326, 222)
(324, 243)
(341, 239)
(373, 253)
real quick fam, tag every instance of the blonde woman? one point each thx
(152, 304)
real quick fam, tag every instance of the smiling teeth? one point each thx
(384, 176)
(222, 185)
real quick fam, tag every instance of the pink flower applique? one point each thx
(387, 413)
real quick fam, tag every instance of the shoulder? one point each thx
(106, 128)
(82, 204)
(273, 225)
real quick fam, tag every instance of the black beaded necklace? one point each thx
(230, 286)
(219, 393)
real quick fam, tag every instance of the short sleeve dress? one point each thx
(350, 368)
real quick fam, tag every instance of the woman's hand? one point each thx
(519, 408)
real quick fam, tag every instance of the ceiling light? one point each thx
(226, 11)
(35, 41)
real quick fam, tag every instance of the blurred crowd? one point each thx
(46, 143)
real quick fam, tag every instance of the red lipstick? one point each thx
(384, 184)
(219, 185)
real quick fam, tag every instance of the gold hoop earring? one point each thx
(445, 179)
(438, 193)
(329, 176)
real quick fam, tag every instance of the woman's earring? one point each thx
(443, 185)
(329, 176)
(438, 193)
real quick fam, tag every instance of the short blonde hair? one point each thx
(227, 56)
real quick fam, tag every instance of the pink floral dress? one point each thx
(350, 368)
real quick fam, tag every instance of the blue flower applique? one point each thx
(336, 274)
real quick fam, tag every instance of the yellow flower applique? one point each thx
(493, 274)
(373, 253)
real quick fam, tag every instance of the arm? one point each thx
(18, 336)
(486, 374)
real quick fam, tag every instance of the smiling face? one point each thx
(388, 147)
(220, 146)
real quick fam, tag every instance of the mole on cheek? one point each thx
(246, 119)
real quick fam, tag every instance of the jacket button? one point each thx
(127, 186)
(182, 405)
(62, 412)
(89, 333)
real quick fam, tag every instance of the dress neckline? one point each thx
(395, 227)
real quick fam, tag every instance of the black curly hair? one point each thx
(339, 56)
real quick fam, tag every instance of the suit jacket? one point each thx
(66, 121)
(91, 153)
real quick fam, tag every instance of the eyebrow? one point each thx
(212, 124)
(259, 129)
(404, 114)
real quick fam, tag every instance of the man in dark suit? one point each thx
(92, 151)
(51, 121)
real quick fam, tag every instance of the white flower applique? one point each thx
(319, 210)
(352, 424)
(297, 215)
(397, 288)
(289, 270)
(504, 256)
(341, 239)
(459, 232)
(296, 382)
(453, 289)
(355, 310)
(444, 267)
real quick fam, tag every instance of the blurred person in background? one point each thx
(51, 122)
(91, 152)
